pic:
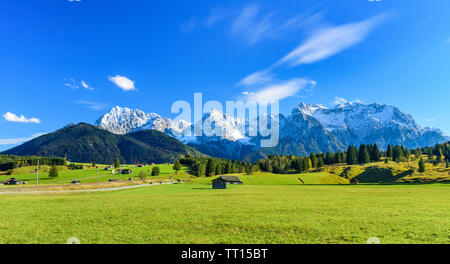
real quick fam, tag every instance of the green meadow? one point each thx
(89, 174)
(266, 209)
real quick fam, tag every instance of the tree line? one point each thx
(11, 162)
(363, 154)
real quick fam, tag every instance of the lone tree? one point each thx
(421, 165)
(156, 171)
(177, 166)
(53, 173)
(93, 164)
(117, 163)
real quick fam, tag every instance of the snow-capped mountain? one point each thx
(357, 123)
(310, 128)
(122, 120)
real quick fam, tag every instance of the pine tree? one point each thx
(375, 153)
(320, 162)
(210, 168)
(155, 171)
(398, 153)
(390, 152)
(116, 163)
(53, 173)
(363, 156)
(306, 163)
(177, 166)
(421, 166)
(352, 157)
(329, 159)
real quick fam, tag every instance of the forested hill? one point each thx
(87, 143)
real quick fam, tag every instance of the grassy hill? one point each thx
(86, 143)
(392, 172)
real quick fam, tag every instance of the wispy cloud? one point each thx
(250, 23)
(93, 105)
(343, 101)
(10, 117)
(331, 41)
(278, 91)
(123, 83)
(252, 26)
(260, 77)
(430, 119)
(86, 86)
(71, 83)
(322, 44)
(15, 141)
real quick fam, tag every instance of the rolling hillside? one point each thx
(86, 143)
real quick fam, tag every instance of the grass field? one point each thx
(194, 213)
(268, 208)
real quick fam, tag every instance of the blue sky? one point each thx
(64, 61)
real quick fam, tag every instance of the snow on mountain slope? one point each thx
(357, 123)
(310, 128)
(125, 120)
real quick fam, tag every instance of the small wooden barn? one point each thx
(222, 181)
(125, 171)
(13, 181)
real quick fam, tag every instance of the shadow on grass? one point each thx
(377, 175)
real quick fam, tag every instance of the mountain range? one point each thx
(135, 136)
(309, 128)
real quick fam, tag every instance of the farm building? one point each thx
(13, 181)
(222, 181)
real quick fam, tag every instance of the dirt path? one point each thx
(86, 190)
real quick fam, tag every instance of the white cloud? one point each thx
(279, 91)
(123, 83)
(71, 83)
(93, 105)
(86, 86)
(15, 141)
(20, 119)
(260, 77)
(330, 41)
(429, 120)
(251, 26)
